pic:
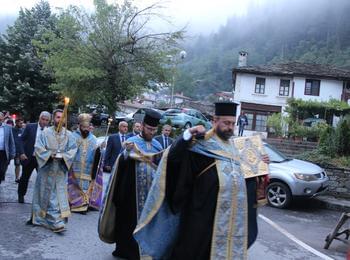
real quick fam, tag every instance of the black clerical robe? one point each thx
(191, 189)
(126, 194)
(124, 199)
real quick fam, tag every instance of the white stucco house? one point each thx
(263, 90)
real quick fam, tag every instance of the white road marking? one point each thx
(293, 238)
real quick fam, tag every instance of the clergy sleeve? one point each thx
(70, 150)
(179, 147)
(41, 152)
(187, 135)
(96, 163)
(179, 178)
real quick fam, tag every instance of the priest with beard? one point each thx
(55, 149)
(128, 188)
(85, 178)
(201, 205)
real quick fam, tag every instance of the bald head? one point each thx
(123, 127)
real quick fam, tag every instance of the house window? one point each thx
(250, 118)
(257, 120)
(260, 86)
(312, 87)
(260, 123)
(284, 87)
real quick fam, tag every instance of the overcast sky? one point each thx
(200, 15)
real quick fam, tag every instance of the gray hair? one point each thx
(45, 114)
(122, 122)
(165, 126)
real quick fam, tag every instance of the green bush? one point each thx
(342, 133)
(297, 130)
(316, 156)
(274, 122)
(336, 142)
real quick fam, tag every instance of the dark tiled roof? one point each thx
(293, 69)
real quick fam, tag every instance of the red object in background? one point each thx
(14, 116)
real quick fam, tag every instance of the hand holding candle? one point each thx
(65, 114)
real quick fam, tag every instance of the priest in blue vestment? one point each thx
(128, 188)
(55, 150)
(201, 205)
(85, 178)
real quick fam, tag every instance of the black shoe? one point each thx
(20, 199)
(17, 180)
(29, 222)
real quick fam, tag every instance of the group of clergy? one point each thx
(69, 174)
(189, 201)
(70, 169)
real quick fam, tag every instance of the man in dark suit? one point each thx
(136, 129)
(164, 139)
(27, 157)
(7, 147)
(114, 146)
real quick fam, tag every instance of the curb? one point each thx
(333, 203)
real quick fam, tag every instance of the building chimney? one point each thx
(242, 59)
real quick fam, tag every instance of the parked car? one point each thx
(99, 115)
(185, 118)
(139, 114)
(292, 178)
(310, 122)
(119, 116)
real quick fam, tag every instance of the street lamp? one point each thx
(175, 59)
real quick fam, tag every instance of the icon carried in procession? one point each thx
(251, 150)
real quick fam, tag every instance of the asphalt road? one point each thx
(297, 233)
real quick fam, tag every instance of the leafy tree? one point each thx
(109, 55)
(24, 84)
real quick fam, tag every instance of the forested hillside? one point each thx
(316, 31)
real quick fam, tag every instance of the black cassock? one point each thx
(195, 198)
(124, 199)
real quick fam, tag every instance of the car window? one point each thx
(139, 115)
(187, 112)
(192, 113)
(201, 117)
(173, 111)
(274, 155)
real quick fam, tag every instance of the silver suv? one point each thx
(292, 178)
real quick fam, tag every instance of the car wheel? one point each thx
(278, 195)
(188, 125)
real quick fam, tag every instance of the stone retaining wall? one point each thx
(339, 182)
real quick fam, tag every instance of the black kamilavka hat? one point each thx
(152, 117)
(225, 108)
